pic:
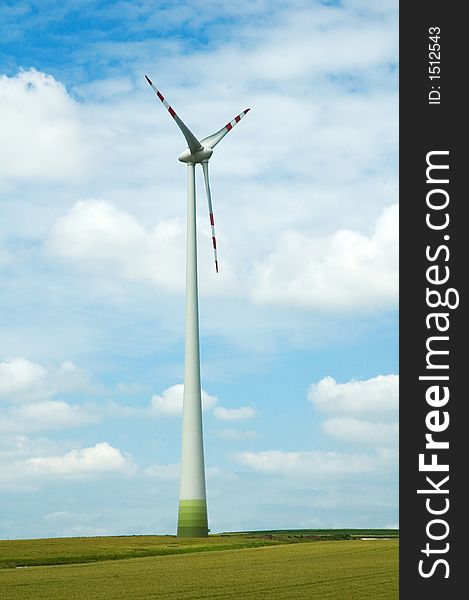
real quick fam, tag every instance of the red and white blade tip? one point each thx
(149, 80)
(237, 119)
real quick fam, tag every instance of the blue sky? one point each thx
(298, 330)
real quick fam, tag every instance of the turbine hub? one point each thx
(196, 157)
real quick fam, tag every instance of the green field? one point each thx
(277, 565)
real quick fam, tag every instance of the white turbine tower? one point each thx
(192, 516)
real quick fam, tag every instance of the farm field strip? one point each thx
(329, 570)
(56, 551)
(24, 553)
(334, 533)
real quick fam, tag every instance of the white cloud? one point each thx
(214, 473)
(27, 390)
(344, 38)
(101, 458)
(348, 270)
(44, 416)
(171, 400)
(235, 434)
(61, 515)
(234, 414)
(376, 396)
(97, 235)
(40, 136)
(316, 464)
(163, 471)
(366, 412)
(114, 410)
(374, 400)
(58, 515)
(15, 447)
(21, 379)
(363, 433)
(29, 463)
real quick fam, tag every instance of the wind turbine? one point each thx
(192, 515)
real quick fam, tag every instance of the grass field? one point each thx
(256, 566)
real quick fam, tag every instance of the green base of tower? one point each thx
(192, 518)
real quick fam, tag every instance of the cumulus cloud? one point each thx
(27, 391)
(21, 379)
(40, 136)
(97, 235)
(100, 458)
(376, 396)
(365, 413)
(44, 416)
(234, 414)
(362, 433)
(19, 446)
(336, 32)
(171, 400)
(345, 271)
(27, 463)
(316, 463)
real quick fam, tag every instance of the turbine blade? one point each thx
(192, 141)
(210, 212)
(212, 140)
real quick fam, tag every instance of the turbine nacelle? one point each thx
(195, 157)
